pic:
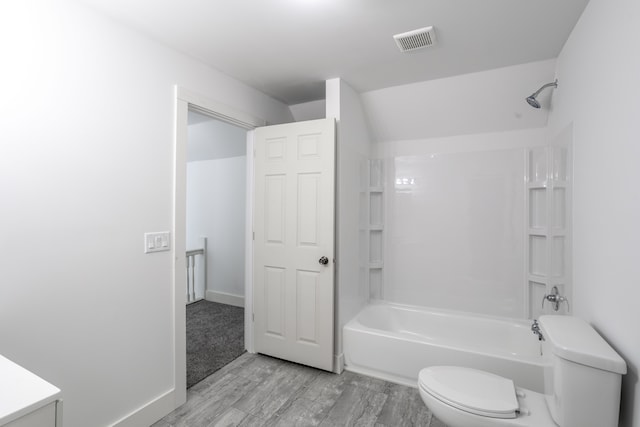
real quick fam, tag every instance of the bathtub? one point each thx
(393, 342)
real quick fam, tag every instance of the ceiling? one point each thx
(288, 48)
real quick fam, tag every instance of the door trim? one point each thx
(184, 101)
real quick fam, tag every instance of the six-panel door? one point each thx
(294, 230)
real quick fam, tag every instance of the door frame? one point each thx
(186, 100)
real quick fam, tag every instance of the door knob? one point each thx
(324, 260)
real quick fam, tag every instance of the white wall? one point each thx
(214, 139)
(598, 94)
(488, 101)
(309, 110)
(353, 152)
(216, 193)
(454, 221)
(86, 167)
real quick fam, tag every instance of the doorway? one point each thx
(187, 101)
(313, 141)
(215, 239)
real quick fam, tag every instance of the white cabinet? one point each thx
(27, 400)
(41, 417)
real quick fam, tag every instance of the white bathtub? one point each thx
(394, 342)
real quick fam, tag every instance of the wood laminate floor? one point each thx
(256, 390)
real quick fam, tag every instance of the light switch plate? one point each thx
(157, 241)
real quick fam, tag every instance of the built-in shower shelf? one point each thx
(548, 204)
(537, 184)
(547, 184)
(537, 278)
(538, 231)
(375, 225)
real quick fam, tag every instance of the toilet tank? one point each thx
(582, 381)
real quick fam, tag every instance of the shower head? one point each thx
(533, 101)
(532, 98)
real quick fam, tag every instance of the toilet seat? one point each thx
(471, 390)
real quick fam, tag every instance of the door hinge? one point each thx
(254, 235)
(253, 317)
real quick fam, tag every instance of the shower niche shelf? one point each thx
(375, 226)
(547, 254)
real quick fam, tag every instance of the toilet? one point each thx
(582, 379)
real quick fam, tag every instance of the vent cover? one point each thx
(416, 39)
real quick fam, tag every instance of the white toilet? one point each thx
(582, 385)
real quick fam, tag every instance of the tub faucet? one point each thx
(535, 328)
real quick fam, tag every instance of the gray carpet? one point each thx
(215, 336)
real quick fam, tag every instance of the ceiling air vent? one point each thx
(416, 39)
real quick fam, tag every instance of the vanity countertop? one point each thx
(22, 392)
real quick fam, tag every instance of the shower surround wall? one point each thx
(454, 154)
(454, 222)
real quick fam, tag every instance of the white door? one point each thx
(293, 221)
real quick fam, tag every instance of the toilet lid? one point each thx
(471, 390)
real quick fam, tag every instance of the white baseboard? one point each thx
(338, 363)
(149, 413)
(225, 298)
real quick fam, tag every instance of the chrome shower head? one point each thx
(531, 100)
